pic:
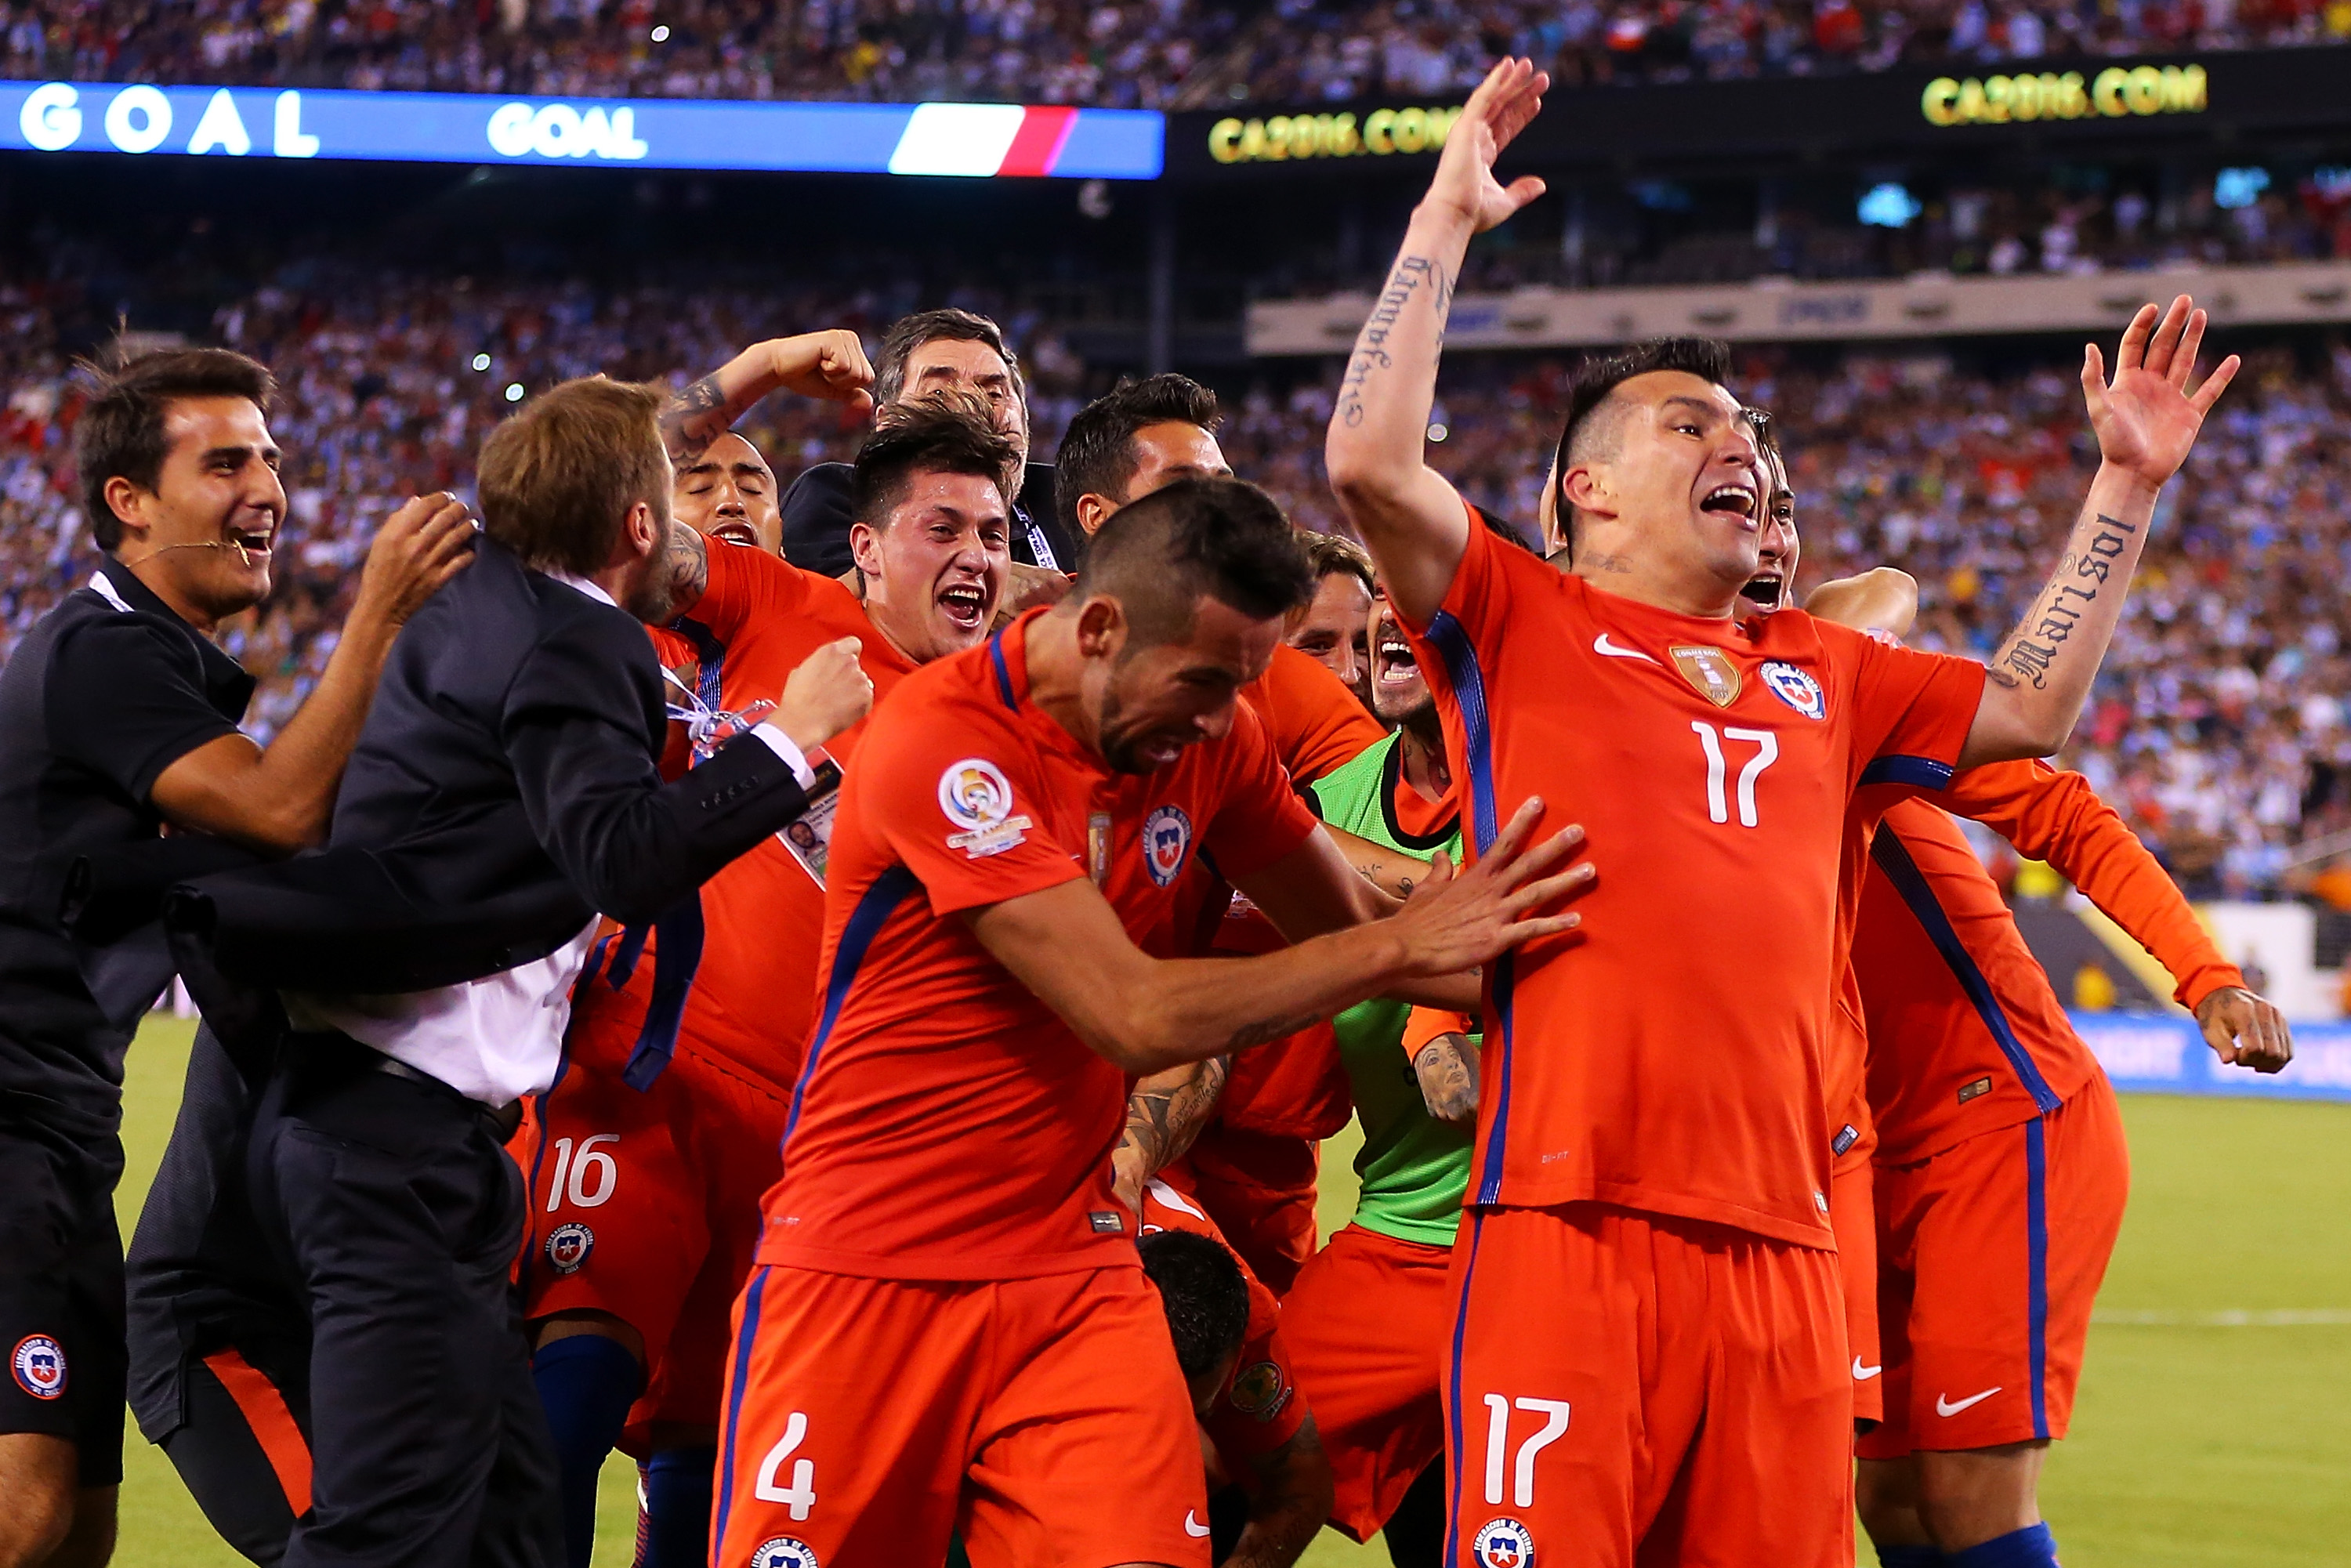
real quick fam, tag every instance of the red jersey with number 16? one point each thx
(947, 1124)
(1670, 1056)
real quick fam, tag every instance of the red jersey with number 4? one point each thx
(947, 1124)
(1965, 1034)
(763, 914)
(1671, 1055)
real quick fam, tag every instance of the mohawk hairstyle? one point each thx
(1596, 380)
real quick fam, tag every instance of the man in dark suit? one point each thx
(512, 748)
(929, 352)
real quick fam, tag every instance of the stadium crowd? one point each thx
(1143, 53)
(2216, 728)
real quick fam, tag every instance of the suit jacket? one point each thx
(816, 521)
(503, 792)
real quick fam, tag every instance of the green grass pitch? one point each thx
(2199, 1441)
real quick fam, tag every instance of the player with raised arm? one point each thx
(645, 1174)
(948, 1330)
(1647, 1248)
(1997, 1149)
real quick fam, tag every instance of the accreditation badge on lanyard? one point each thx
(807, 836)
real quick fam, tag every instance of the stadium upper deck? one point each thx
(1139, 53)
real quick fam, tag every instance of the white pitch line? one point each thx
(2281, 1318)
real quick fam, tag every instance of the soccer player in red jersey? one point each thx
(645, 1180)
(1334, 629)
(1253, 1416)
(1650, 1355)
(1964, 1041)
(948, 1330)
(1241, 1138)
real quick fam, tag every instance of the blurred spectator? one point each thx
(1146, 53)
(2094, 989)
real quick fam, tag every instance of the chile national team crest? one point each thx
(783, 1552)
(1796, 688)
(567, 1246)
(1166, 839)
(39, 1364)
(1503, 1543)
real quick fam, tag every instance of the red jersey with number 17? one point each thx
(1670, 1056)
(947, 1124)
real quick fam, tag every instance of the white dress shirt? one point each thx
(500, 1038)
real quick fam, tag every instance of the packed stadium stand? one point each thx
(1141, 53)
(2218, 726)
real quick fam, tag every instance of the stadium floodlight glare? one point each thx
(661, 33)
(514, 392)
(2239, 187)
(1887, 205)
(481, 361)
(965, 139)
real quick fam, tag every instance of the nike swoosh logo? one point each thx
(1601, 644)
(1192, 1525)
(1863, 1374)
(1944, 1406)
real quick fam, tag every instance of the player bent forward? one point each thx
(948, 1329)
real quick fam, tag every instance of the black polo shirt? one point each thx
(109, 690)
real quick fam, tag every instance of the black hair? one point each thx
(1203, 1293)
(1224, 538)
(1597, 379)
(939, 433)
(120, 432)
(1097, 455)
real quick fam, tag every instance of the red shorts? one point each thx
(1853, 1215)
(1991, 1255)
(647, 1205)
(1043, 1420)
(1367, 1325)
(1259, 1188)
(1631, 1387)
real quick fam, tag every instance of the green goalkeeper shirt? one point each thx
(1414, 1168)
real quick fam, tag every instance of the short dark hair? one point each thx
(1203, 1293)
(120, 432)
(1097, 456)
(1596, 379)
(557, 478)
(1335, 555)
(908, 333)
(1224, 538)
(941, 433)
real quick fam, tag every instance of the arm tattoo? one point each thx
(1412, 273)
(695, 418)
(1446, 1081)
(689, 566)
(2033, 647)
(1266, 1031)
(1161, 1124)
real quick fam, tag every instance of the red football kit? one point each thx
(644, 1202)
(1253, 1166)
(1260, 1408)
(1651, 1170)
(948, 1328)
(2002, 1166)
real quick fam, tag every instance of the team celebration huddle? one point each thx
(835, 989)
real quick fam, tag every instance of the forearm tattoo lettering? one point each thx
(2033, 647)
(1412, 274)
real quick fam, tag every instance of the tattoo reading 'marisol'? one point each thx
(2071, 589)
(1371, 347)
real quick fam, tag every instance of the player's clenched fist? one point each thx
(824, 695)
(419, 546)
(1456, 921)
(831, 364)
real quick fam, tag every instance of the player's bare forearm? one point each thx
(827, 364)
(1293, 1500)
(1163, 1115)
(1408, 514)
(2037, 682)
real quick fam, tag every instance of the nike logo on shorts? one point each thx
(1192, 1526)
(1601, 644)
(1945, 1406)
(1863, 1374)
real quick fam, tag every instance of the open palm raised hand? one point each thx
(1502, 105)
(2148, 417)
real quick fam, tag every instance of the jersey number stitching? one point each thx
(1710, 740)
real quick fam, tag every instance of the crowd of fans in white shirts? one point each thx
(2217, 726)
(1131, 53)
